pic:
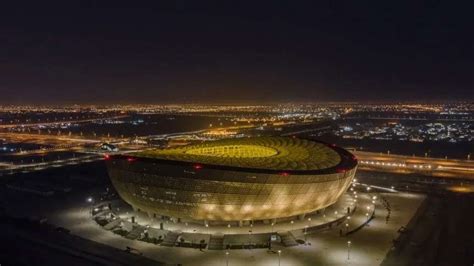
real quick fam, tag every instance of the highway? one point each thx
(9, 169)
(446, 168)
(370, 161)
(60, 122)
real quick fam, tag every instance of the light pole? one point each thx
(250, 238)
(227, 258)
(90, 200)
(305, 233)
(349, 250)
(279, 257)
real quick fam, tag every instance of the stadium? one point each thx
(234, 180)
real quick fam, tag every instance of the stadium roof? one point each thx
(271, 153)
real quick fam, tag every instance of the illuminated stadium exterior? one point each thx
(234, 180)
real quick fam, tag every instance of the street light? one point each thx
(279, 257)
(305, 233)
(349, 250)
(227, 258)
(90, 200)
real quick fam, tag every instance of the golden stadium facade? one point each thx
(261, 178)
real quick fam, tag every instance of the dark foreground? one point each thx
(28, 242)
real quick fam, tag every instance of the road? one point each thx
(370, 161)
(9, 169)
(446, 168)
(60, 122)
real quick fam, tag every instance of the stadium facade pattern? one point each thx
(234, 180)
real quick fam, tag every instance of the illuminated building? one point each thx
(234, 180)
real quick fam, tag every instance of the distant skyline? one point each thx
(229, 52)
(237, 103)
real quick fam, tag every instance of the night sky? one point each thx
(234, 52)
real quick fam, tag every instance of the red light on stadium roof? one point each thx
(106, 156)
(197, 166)
(284, 174)
(130, 159)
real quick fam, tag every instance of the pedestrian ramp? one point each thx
(170, 239)
(135, 232)
(288, 239)
(216, 242)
